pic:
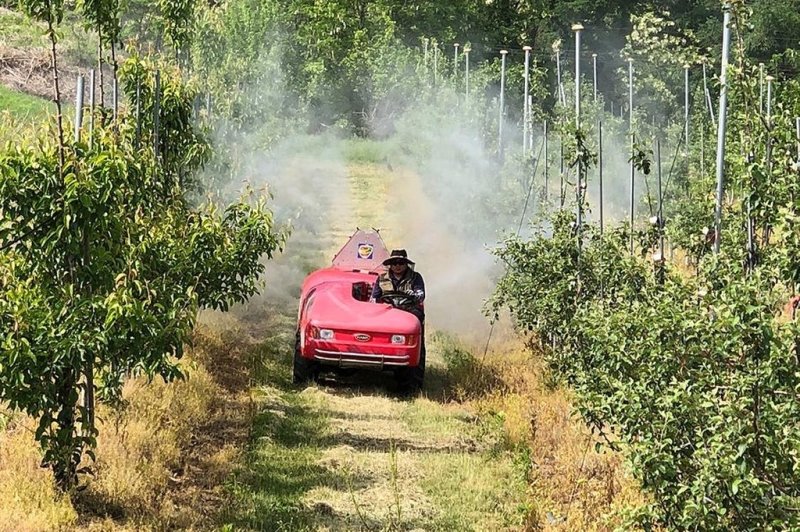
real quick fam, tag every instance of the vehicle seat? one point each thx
(362, 290)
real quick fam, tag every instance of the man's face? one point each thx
(398, 268)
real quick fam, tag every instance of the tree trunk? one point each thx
(66, 454)
(116, 81)
(100, 66)
(88, 428)
(57, 92)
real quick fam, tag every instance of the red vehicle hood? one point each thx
(335, 308)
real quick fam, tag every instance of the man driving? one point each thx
(401, 277)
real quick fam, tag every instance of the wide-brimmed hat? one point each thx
(398, 255)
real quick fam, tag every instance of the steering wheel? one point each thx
(399, 299)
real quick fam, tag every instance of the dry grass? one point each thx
(163, 456)
(28, 498)
(142, 450)
(572, 485)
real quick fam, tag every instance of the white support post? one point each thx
(455, 61)
(467, 50)
(560, 87)
(435, 63)
(769, 79)
(686, 107)
(707, 94)
(502, 111)
(78, 109)
(578, 28)
(630, 133)
(723, 118)
(525, 107)
(91, 107)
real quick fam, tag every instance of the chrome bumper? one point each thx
(360, 360)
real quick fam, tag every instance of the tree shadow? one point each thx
(282, 466)
(438, 386)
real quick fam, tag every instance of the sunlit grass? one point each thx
(22, 116)
(475, 491)
(19, 31)
(24, 106)
(572, 484)
(367, 151)
(75, 43)
(281, 466)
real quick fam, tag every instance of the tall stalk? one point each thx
(100, 64)
(51, 33)
(115, 66)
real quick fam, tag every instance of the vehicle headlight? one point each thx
(325, 334)
(398, 339)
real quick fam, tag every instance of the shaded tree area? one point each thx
(354, 61)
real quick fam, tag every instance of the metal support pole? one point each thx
(115, 97)
(660, 203)
(525, 106)
(91, 107)
(751, 238)
(761, 88)
(600, 170)
(723, 118)
(561, 176)
(630, 133)
(769, 79)
(797, 134)
(530, 124)
(577, 28)
(547, 164)
(502, 111)
(455, 61)
(157, 113)
(708, 96)
(702, 151)
(435, 64)
(466, 57)
(594, 75)
(138, 112)
(768, 157)
(561, 97)
(686, 107)
(79, 110)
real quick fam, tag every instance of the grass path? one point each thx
(351, 454)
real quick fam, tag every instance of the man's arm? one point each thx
(376, 290)
(418, 287)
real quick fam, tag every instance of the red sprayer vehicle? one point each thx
(339, 328)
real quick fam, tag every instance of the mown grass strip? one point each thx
(288, 436)
(281, 466)
(24, 106)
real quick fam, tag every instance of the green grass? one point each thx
(75, 44)
(287, 438)
(432, 419)
(364, 151)
(281, 466)
(475, 492)
(24, 106)
(19, 31)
